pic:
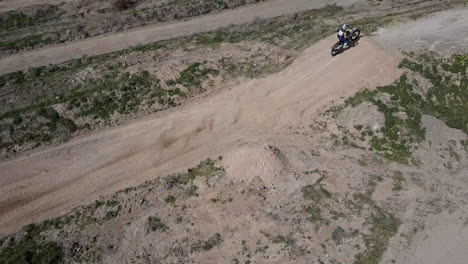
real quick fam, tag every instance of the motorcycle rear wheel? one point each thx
(335, 52)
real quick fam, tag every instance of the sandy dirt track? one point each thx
(444, 32)
(51, 182)
(118, 41)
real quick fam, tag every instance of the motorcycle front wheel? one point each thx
(355, 34)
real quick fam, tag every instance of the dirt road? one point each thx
(51, 182)
(445, 32)
(117, 41)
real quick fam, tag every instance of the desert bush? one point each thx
(156, 224)
(124, 4)
(28, 251)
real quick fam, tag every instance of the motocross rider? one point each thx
(343, 35)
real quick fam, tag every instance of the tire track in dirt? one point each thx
(444, 32)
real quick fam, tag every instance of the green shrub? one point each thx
(156, 224)
(25, 42)
(194, 75)
(315, 192)
(209, 244)
(16, 19)
(338, 235)
(313, 212)
(170, 199)
(31, 252)
(445, 99)
(384, 226)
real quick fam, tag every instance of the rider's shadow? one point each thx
(353, 44)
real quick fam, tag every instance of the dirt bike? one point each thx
(338, 47)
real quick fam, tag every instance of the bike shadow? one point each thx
(353, 44)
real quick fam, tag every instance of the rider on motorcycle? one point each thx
(343, 35)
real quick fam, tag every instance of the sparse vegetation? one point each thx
(205, 169)
(111, 215)
(30, 41)
(453, 154)
(112, 203)
(464, 143)
(373, 181)
(398, 181)
(286, 240)
(194, 75)
(314, 213)
(215, 241)
(99, 101)
(18, 19)
(338, 234)
(155, 224)
(192, 191)
(447, 96)
(404, 110)
(124, 4)
(170, 199)
(383, 226)
(316, 192)
(29, 251)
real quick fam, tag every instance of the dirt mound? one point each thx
(264, 164)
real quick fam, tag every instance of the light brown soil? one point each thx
(260, 111)
(444, 32)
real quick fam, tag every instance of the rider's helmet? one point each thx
(345, 27)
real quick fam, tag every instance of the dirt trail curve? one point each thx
(51, 182)
(118, 41)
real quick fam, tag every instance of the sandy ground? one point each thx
(442, 235)
(51, 182)
(118, 41)
(444, 32)
(444, 240)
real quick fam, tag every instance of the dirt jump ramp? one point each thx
(51, 182)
